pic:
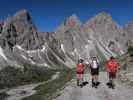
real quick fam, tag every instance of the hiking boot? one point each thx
(109, 85)
(97, 83)
(78, 83)
(96, 87)
(81, 85)
(93, 84)
(113, 86)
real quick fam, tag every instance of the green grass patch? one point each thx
(3, 96)
(130, 51)
(46, 91)
(12, 77)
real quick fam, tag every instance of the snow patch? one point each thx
(74, 38)
(76, 53)
(89, 41)
(31, 51)
(32, 61)
(55, 76)
(45, 64)
(24, 57)
(19, 47)
(2, 54)
(62, 48)
(75, 50)
(86, 46)
(72, 53)
(43, 49)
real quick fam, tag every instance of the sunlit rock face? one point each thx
(22, 44)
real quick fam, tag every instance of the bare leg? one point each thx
(78, 79)
(93, 79)
(97, 78)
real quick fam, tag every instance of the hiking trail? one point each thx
(21, 92)
(72, 92)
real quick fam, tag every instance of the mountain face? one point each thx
(20, 30)
(74, 39)
(21, 43)
(128, 32)
(105, 33)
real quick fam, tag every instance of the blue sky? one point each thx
(49, 14)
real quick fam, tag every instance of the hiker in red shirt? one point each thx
(80, 71)
(112, 67)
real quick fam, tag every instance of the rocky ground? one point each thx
(72, 92)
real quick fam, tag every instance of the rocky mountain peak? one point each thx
(103, 14)
(20, 29)
(22, 17)
(69, 23)
(72, 21)
(23, 14)
(100, 18)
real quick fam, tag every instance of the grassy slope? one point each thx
(12, 77)
(3, 96)
(46, 91)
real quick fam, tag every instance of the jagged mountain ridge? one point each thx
(21, 43)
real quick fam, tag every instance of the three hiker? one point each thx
(112, 67)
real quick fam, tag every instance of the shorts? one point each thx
(80, 75)
(112, 75)
(95, 71)
(80, 72)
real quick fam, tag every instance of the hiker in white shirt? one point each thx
(94, 66)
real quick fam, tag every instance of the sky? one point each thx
(47, 15)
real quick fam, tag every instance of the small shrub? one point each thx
(130, 51)
(3, 96)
